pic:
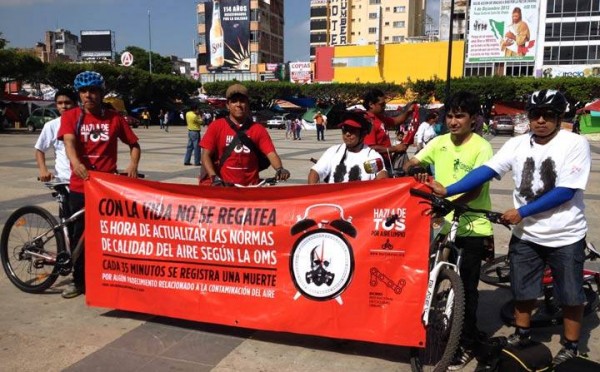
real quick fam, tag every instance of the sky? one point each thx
(172, 23)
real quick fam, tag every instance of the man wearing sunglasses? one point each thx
(352, 160)
(550, 168)
(241, 165)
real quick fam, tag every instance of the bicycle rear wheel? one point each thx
(445, 324)
(496, 272)
(549, 312)
(28, 258)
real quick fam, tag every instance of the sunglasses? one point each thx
(546, 114)
(351, 130)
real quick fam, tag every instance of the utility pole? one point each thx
(449, 50)
(149, 42)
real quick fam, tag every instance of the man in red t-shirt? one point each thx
(91, 135)
(241, 166)
(379, 140)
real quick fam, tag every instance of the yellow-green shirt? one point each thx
(452, 163)
(194, 122)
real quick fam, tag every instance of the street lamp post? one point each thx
(149, 42)
(449, 49)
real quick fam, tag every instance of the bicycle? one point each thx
(35, 247)
(548, 312)
(443, 310)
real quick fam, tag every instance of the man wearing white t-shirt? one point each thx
(352, 160)
(64, 99)
(550, 168)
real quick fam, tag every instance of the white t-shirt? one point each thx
(565, 161)
(350, 169)
(47, 139)
(425, 133)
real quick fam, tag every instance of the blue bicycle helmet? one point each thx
(89, 79)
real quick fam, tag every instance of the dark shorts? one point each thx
(527, 263)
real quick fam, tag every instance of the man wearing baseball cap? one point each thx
(352, 160)
(226, 164)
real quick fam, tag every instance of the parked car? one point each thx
(133, 122)
(277, 121)
(503, 124)
(39, 117)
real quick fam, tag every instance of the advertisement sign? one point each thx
(338, 22)
(500, 31)
(570, 71)
(314, 260)
(228, 39)
(300, 72)
(96, 44)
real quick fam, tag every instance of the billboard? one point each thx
(96, 44)
(499, 31)
(338, 23)
(569, 71)
(300, 72)
(229, 37)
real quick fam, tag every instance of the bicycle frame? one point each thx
(440, 262)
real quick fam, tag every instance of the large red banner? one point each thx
(315, 260)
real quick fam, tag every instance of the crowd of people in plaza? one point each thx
(550, 168)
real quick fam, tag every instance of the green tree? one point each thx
(19, 66)
(3, 41)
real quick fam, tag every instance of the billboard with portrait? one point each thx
(228, 35)
(500, 31)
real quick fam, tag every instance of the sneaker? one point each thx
(563, 355)
(518, 340)
(461, 358)
(71, 291)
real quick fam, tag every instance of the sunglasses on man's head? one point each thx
(349, 129)
(546, 114)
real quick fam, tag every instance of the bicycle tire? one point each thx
(549, 315)
(443, 332)
(28, 273)
(496, 272)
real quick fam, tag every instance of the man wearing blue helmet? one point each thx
(550, 168)
(91, 135)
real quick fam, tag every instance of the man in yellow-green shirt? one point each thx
(453, 155)
(193, 119)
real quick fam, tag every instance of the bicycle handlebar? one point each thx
(444, 206)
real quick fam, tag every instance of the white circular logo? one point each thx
(321, 264)
(126, 59)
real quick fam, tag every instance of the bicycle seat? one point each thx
(58, 185)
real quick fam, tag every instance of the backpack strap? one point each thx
(243, 137)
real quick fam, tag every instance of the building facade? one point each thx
(236, 37)
(59, 44)
(364, 22)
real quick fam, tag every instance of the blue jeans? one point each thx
(321, 132)
(193, 145)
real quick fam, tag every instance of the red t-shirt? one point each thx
(97, 142)
(241, 166)
(378, 134)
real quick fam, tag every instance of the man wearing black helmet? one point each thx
(550, 168)
(352, 160)
(91, 135)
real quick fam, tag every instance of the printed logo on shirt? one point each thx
(95, 132)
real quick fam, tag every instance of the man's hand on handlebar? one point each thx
(131, 171)
(45, 177)
(217, 181)
(512, 216)
(282, 174)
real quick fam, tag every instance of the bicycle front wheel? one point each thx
(496, 272)
(28, 249)
(445, 324)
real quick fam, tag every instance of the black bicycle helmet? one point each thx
(547, 99)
